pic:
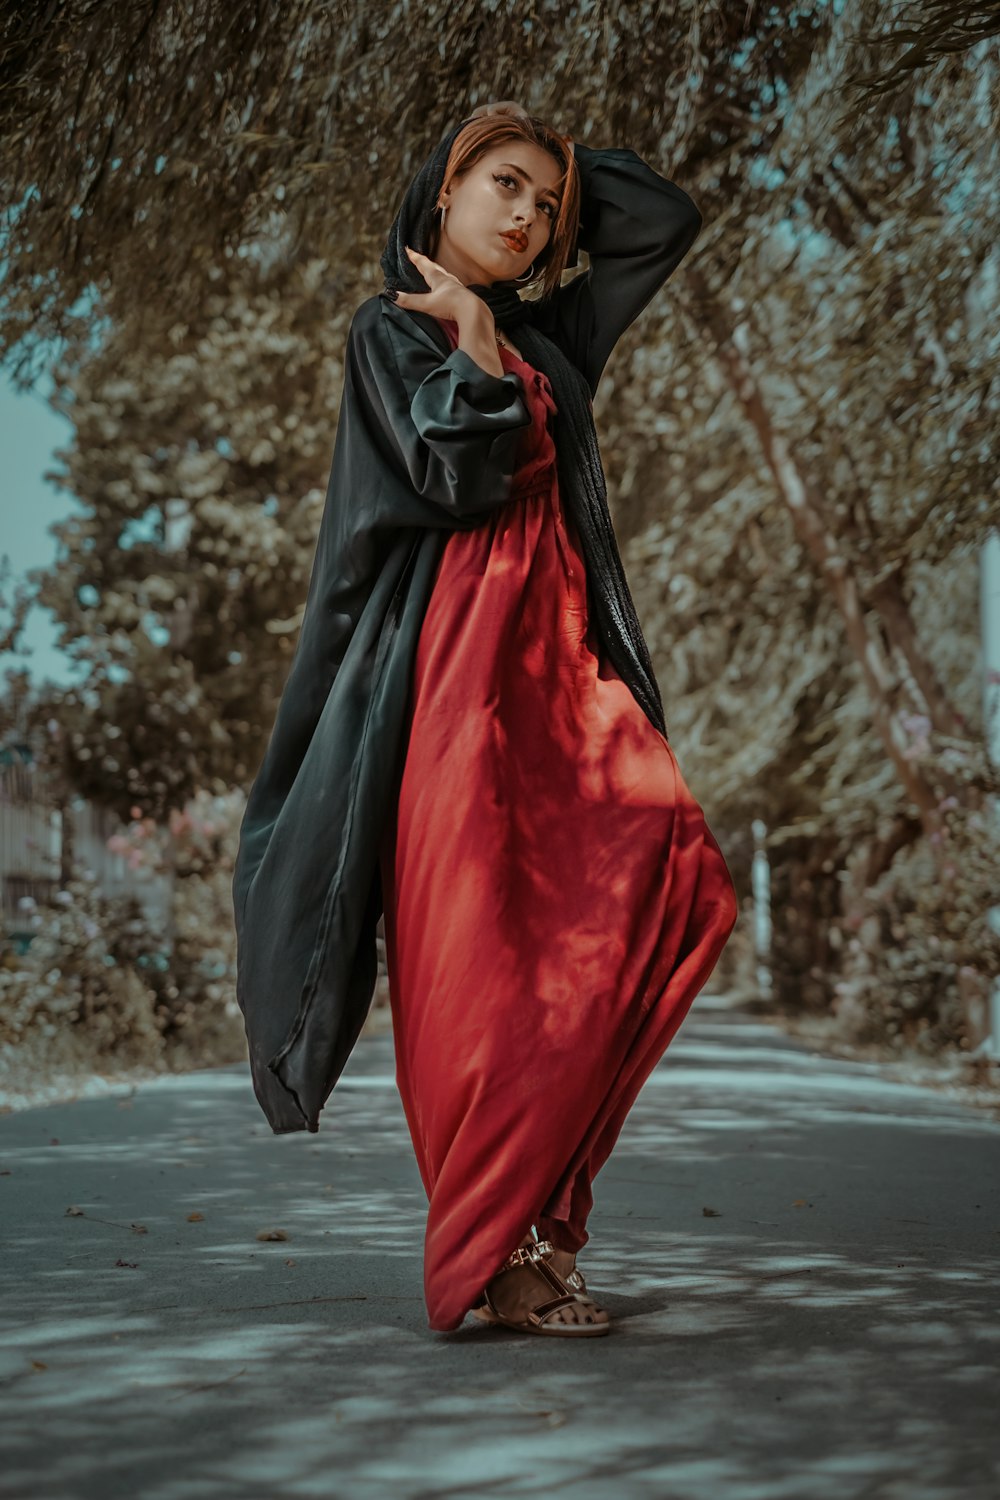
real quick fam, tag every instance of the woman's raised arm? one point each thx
(636, 227)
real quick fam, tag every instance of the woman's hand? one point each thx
(448, 297)
(501, 107)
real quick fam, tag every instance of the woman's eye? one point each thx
(506, 177)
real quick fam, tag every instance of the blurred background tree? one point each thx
(799, 433)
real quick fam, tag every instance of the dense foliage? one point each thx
(799, 433)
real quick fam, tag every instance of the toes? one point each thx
(580, 1313)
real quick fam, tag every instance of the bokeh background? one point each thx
(800, 435)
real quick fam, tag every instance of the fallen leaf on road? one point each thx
(195, 1218)
(712, 1213)
(271, 1234)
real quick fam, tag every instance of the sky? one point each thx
(30, 431)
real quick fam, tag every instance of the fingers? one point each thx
(500, 107)
(420, 260)
(403, 299)
(417, 255)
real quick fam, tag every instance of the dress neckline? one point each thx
(518, 360)
(506, 350)
(453, 325)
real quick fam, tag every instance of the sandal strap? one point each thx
(542, 1311)
(538, 1253)
(539, 1250)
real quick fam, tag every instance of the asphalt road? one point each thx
(800, 1254)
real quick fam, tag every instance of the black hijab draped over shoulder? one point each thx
(426, 444)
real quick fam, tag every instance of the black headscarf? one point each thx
(580, 472)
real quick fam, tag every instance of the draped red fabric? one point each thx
(554, 898)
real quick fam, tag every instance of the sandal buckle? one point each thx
(538, 1250)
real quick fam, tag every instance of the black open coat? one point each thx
(426, 445)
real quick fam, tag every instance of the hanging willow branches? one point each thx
(146, 144)
(931, 31)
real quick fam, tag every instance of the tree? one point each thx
(179, 584)
(798, 434)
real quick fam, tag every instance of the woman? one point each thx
(553, 898)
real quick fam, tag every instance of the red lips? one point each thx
(515, 239)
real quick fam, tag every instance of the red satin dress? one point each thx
(553, 896)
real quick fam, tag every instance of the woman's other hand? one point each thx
(501, 107)
(448, 297)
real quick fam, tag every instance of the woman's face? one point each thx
(511, 190)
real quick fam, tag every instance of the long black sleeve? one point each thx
(636, 227)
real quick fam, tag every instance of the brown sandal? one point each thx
(539, 1254)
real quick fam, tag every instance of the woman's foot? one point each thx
(564, 1263)
(519, 1288)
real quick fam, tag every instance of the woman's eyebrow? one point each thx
(551, 191)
